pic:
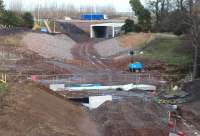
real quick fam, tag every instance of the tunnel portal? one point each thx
(100, 31)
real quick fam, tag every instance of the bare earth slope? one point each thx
(31, 111)
(109, 47)
(122, 44)
(48, 46)
(133, 40)
(131, 118)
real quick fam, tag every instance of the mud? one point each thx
(191, 109)
(119, 118)
(35, 111)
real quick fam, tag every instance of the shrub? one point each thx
(128, 26)
(28, 20)
(10, 18)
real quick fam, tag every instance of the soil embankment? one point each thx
(29, 110)
(49, 46)
(133, 117)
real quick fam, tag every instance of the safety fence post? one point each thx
(3, 78)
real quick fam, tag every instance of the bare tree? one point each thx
(180, 4)
(107, 9)
(55, 10)
(162, 8)
(87, 9)
(60, 10)
(194, 13)
(16, 6)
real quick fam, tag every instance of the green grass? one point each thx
(173, 51)
(3, 87)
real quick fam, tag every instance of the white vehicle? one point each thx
(68, 18)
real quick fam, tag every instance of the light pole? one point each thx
(91, 8)
(95, 8)
(38, 12)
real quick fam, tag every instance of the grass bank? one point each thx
(3, 87)
(171, 50)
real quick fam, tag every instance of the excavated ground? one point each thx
(44, 114)
(28, 109)
(133, 117)
(192, 109)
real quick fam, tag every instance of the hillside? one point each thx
(171, 50)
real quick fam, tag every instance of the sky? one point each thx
(120, 5)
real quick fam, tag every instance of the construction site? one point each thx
(85, 77)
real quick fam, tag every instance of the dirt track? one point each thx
(87, 52)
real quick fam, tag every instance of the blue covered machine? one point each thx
(93, 16)
(44, 30)
(135, 67)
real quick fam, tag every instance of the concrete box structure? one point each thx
(57, 87)
(105, 30)
(96, 101)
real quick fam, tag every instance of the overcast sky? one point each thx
(120, 5)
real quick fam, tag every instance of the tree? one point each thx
(144, 16)
(167, 12)
(194, 14)
(28, 20)
(1, 5)
(1, 8)
(155, 8)
(179, 24)
(180, 4)
(129, 26)
(9, 18)
(16, 6)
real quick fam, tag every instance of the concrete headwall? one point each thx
(96, 101)
(57, 87)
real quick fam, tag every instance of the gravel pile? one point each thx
(109, 47)
(131, 118)
(49, 46)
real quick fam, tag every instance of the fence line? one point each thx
(104, 78)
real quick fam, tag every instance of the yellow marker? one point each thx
(3, 78)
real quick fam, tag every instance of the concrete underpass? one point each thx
(105, 30)
(100, 31)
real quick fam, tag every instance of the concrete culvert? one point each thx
(105, 30)
(80, 100)
(100, 31)
(119, 89)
